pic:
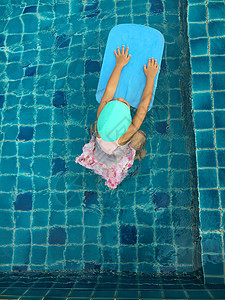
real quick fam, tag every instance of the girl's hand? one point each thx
(121, 58)
(152, 68)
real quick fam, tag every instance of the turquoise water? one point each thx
(56, 214)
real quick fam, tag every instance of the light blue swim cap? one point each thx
(114, 120)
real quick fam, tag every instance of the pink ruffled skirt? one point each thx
(113, 175)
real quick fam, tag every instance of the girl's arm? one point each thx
(121, 60)
(110, 88)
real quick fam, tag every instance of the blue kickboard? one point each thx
(144, 42)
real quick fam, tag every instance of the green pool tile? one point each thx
(220, 138)
(203, 120)
(197, 30)
(200, 64)
(216, 10)
(209, 198)
(217, 45)
(196, 13)
(202, 101)
(218, 63)
(207, 178)
(213, 264)
(221, 172)
(219, 117)
(206, 158)
(210, 221)
(218, 81)
(205, 139)
(216, 28)
(199, 46)
(201, 82)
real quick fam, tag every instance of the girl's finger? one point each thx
(118, 49)
(127, 51)
(115, 52)
(123, 49)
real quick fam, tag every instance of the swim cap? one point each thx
(114, 120)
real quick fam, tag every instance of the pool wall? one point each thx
(206, 32)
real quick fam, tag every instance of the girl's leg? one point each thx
(138, 141)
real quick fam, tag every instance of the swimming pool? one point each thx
(57, 215)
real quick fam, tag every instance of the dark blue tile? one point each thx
(30, 71)
(207, 178)
(58, 166)
(161, 199)
(128, 234)
(196, 13)
(220, 138)
(30, 9)
(218, 81)
(156, 7)
(219, 100)
(59, 99)
(219, 117)
(92, 66)
(197, 30)
(203, 120)
(209, 198)
(57, 235)
(23, 201)
(221, 158)
(200, 64)
(201, 82)
(25, 133)
(202, 101)
(221, 177)
(216, 10)
(2, 100)
(199, 46)
(206, 158)
(217, 45)
(213, 264)
(212, 242)
(216, 28)
(210, 220)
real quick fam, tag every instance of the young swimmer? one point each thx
(116, 139)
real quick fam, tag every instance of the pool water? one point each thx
(58, 215)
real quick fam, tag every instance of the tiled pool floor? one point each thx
(55, 214)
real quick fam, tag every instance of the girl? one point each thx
(116, 140)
